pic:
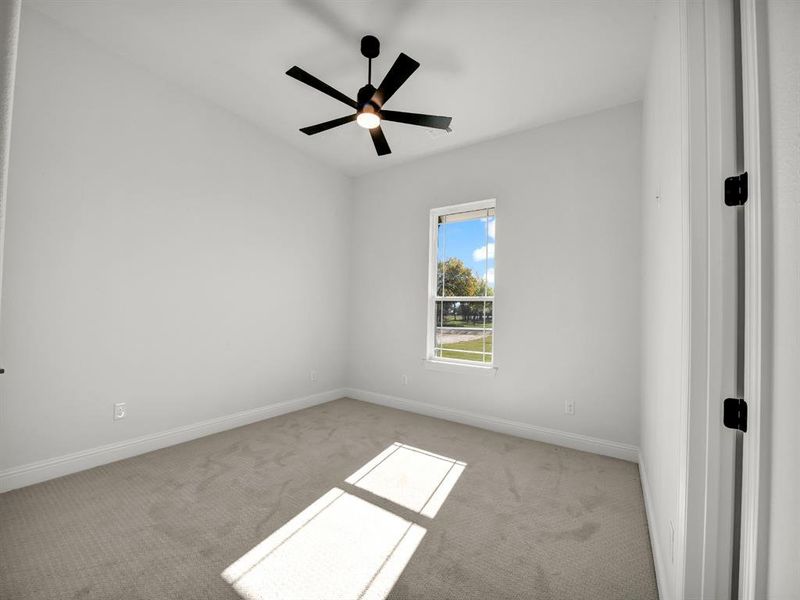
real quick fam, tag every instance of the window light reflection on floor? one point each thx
(339, 547)
(413, 478)
(343, 547)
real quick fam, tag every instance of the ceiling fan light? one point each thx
(368, 120)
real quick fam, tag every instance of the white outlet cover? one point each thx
(120, 411)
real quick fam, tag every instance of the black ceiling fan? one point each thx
(370, 101)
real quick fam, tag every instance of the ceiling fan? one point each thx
(370, 101)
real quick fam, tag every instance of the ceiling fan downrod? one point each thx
(370, 48)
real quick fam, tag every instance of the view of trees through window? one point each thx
(465, 286)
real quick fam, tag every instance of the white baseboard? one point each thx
(50, 468)
(523, 430)
(658, 559)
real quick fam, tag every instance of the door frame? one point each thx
(10, 11)
(755, 467)
(703, 551)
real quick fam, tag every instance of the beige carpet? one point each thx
(524, 520)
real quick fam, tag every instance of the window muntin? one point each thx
(461, 324)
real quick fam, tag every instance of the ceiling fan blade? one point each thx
(401, 70)
(319, 127)
(381, 145)
(433, 121)
(323, 87)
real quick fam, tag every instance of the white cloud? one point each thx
(491, 226)
(480, 253)
(490, 276)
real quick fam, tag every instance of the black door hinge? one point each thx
(736, 190)
(734, 414)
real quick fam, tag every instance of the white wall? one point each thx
(568, 269)
(159, 252)
(662, 287)
(783, 577)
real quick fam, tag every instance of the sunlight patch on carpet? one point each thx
(338, 547)
(413, 478)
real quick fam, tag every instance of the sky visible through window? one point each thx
(466, 240)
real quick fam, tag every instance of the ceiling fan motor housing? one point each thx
(365, 95)
(370, 46)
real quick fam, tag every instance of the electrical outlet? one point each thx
(120, 411)
(569, 407)
(313, 376)
(404, 379)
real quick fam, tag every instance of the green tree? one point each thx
(483, 289)
(456, 279)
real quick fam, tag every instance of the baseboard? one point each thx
(39, 471)
(519, 429)
(658, 559)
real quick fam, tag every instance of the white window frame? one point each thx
(431, 360)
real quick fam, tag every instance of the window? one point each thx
(461, 296)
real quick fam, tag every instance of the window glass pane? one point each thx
(464, 330)
(488, 276)
(441, 256)
(465, 254)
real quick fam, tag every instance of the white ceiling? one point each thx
(494, 66)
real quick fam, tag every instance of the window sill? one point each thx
(451, 367)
